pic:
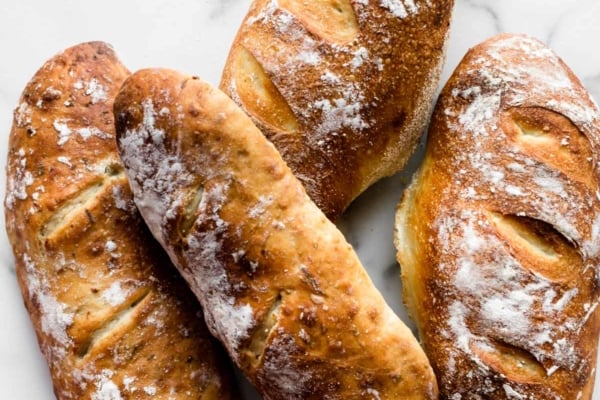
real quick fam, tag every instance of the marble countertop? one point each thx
(194, 36)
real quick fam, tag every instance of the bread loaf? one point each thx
(112, 316)
(498, 235)
(343, 88)
(280, 286)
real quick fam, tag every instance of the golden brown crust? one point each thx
(113, 318)
(343, 88)
(280, 286)
(497, 236)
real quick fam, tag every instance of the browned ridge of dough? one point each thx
(331, 20)
(528, 238)
(269, 103)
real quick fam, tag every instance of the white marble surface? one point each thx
(194, 36)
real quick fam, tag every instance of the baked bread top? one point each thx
(279, 284)
(498, 235)
(343, 88)
(112, 316)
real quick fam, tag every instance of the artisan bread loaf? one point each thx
(343, 88)
(279, 285)
(112, 316)
(498, 235)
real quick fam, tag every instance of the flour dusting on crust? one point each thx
(281, 368)
(155, 175)
(106, 389)
(400, 8)
(227, 320)
(492, 295)
(55, 316)
(64, 131)
(18, 181)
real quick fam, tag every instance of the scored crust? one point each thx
(279, 285)
(342, 88)
(498, 234)
(112, 316)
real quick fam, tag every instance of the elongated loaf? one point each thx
(112, 316)
(498, 234)
(343, 88)
(280, 286)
